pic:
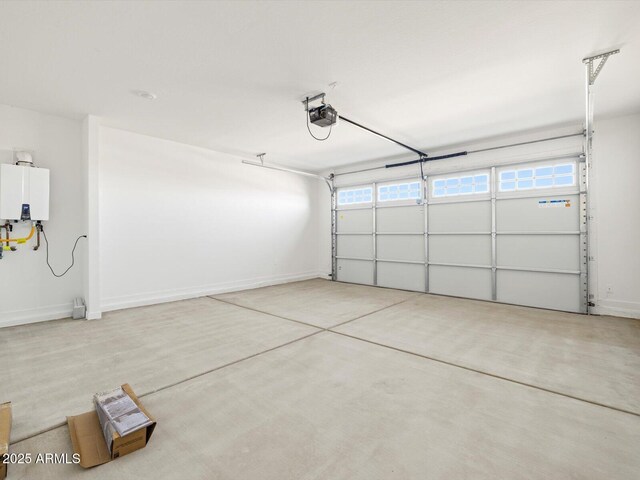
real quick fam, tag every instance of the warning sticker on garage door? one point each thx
(554, 203)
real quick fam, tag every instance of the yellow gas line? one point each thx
(20, 240)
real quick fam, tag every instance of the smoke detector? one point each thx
(144, 94)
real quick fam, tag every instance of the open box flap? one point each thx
(87, 439)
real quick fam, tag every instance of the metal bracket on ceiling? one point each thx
(603, 57)
(261, 158)
(308, 100)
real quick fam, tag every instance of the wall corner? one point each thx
(90, 162)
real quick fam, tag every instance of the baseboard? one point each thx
(91, 315)
(617, 308)
(152, 298)
(35, 315)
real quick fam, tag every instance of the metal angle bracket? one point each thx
(307, 100)
(329, 181)
(603, 57)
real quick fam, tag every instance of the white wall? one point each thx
(614, 194)
(616, 211)
(178, 221)
(28, 291)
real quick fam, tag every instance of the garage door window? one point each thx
(399, 191)
(355, 196)
(463, 185)
(546, 176)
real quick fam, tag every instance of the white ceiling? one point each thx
(229, 76)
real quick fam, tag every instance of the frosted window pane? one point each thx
(452, 182)
(544, 182)
(355, 196)
(400, 191)
(563, 169)
(565, 180)
(466, 180)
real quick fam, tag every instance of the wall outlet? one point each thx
(79, 309)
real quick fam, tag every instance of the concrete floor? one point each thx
(296, 402)
(318, 302)
(52, 369)
(590, 357)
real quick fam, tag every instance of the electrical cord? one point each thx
(73, 251)
(309, 128)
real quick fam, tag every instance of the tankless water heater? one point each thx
(24, 193)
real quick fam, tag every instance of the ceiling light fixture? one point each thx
(144, 94)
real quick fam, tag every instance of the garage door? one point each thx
(513, 234)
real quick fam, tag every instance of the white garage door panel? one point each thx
(557, 252)
(527, 215)
(400, 219)
(358, 221)
(469, 249)
(359, 246)
(401, 275)
(546, 290)
(401, 247)
(355, 271)
(513, 234)
(460, 217)
(460, 281)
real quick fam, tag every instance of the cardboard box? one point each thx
(5, 432)
(88, 440)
